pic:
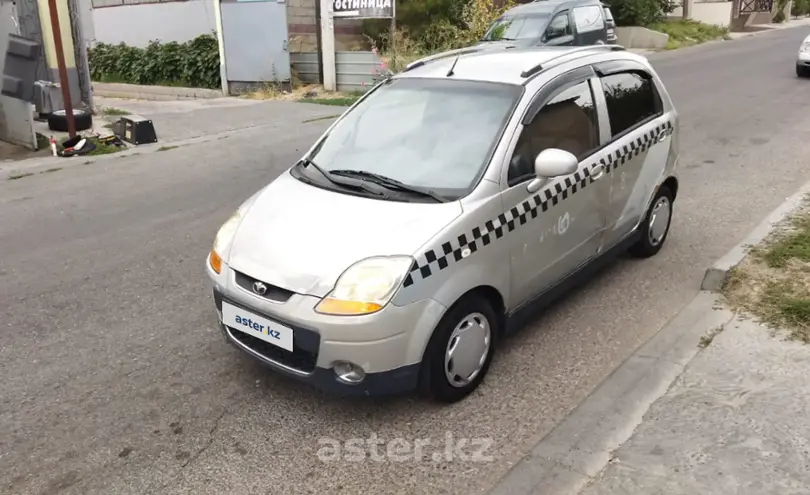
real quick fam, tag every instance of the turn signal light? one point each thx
(346, 308)
(215, 261)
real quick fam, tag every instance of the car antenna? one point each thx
(450, 72)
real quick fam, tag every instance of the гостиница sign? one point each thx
(364, 9)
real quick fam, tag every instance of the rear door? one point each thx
(639, 142)
(589, 25)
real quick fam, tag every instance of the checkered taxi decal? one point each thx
(436, 260)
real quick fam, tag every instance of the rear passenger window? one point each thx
(631, 99)
(588, 18)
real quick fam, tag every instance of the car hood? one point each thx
(301, 237)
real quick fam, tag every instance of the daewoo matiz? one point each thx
(452, 198)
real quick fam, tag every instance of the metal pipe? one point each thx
(64, 82)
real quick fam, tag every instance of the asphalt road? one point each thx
(115, 380)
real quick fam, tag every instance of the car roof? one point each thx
(547, 6)
(503, 65)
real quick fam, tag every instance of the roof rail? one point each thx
(540, 67)
(450, 53)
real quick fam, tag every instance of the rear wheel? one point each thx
(460, 351)
(655, 228)
(801, 70)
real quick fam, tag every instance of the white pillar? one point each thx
(328, 46)
(223, 72)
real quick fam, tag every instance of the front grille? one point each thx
(306, 342)
(298, 359)
(274, 293)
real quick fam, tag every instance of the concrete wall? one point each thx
(716, 13)
(137, 25)
(639, 37)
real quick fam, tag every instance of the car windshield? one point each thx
(518, 27)
(435, 134)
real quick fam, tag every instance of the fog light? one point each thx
(349, 372)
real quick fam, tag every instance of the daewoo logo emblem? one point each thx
(259, 288)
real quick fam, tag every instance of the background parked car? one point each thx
(611, 26)
(552, 22)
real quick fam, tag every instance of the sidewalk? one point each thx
(185, 122)
(735, 422)
(716, 403)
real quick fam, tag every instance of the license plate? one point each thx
(257, 326)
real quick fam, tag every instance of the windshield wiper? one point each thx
(329, 176)
(389, 183)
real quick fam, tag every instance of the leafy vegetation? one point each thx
(192, 64)
(686, 32)
(800, 8)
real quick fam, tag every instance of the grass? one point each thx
(773, 282)
(707, 339)
(42, 141)
(103, 148)
(112, 111)
(341, 101)
(55, 169)
(166, 148)
(685, 32)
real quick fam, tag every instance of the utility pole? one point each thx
(60, 61)
(328, 46)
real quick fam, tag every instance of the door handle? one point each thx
(597, 172)
(662, 136)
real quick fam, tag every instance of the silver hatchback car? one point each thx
(448, 202)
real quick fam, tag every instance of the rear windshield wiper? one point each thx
(330, 177)
(390, 183)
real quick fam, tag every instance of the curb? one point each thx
(716, 275)
(153, 93)
(579, 447)
(36, 165)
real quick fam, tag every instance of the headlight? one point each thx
(223, 239)
(805, 48)
(366, 287)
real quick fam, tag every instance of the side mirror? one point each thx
(550, 163)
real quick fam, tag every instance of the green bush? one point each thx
(193, 64)
(639, 12)
(779, 16)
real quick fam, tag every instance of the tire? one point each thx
(57, 121)
(434, 381)
(652, 239)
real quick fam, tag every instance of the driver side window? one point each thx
(567, 122)
(558, 27)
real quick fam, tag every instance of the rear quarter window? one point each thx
(632, 99)
(588, 18)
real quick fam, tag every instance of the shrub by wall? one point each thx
(193, 64)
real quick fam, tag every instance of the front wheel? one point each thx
(655, 228)
(460, 351)
(801, 70)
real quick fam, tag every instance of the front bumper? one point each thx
(803, 59)
(387, 345)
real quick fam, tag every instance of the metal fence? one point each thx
(354, 70)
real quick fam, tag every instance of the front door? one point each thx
(559, 227)
(559, 31)
(589, 25)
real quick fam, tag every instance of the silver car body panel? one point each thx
(301, 237)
